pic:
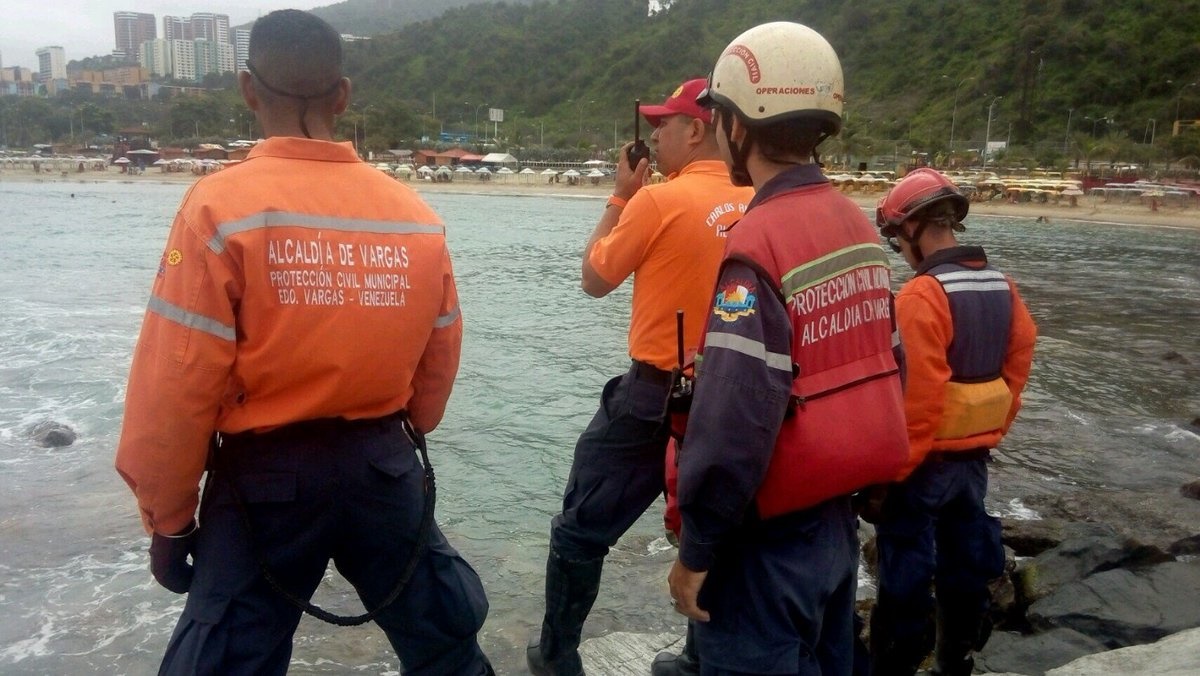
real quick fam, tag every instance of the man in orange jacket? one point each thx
(302, 333)
(669, 237)
(969, 342)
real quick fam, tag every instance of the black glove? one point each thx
(169, 558)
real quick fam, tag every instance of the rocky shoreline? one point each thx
(1101, 582)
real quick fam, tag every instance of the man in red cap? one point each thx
(670, 237)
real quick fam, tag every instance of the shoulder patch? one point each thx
(735, 299)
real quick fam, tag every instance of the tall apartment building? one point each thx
(183, 59)
(212, 27)
(131, 30)
(155, 56)
(241, 47)
(212, 57)
(52, 63)
(177, 28)
(199, 26)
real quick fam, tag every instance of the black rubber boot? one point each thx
(961, 628)
(571, 588)
(893, 655)
(686, 663)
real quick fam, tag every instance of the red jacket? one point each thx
(847, 428)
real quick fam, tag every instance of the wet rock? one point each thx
(1176, 654)
(1157, 518)
(50, 434)
(1030, 538)
(1191, 490)
(1076, 559)
(1013, 652)
(1122, 607)
(1194, 426)
(1186, 547)
(1173, 356)
(626, 653)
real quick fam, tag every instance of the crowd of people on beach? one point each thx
(778, 391)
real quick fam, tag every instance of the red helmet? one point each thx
(919, 189)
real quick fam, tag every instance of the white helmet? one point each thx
(779, 71)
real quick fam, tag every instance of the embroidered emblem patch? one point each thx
(175, 257)
(735, 300)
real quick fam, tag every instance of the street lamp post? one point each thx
(1067, 138)
(581, 105)
(477, 120)
(954, 112)
(1179, 97)
(987, 137)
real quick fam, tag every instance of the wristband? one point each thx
(618, 202)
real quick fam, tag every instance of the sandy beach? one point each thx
(1089, 208)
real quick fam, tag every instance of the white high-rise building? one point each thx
(52, 64)
(183, 59)
(241, 46)
(155, 56)
(213, 57)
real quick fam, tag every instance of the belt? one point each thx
(309, 428)
(958, 456)
(640, 370)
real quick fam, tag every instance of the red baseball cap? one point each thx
(681, 102)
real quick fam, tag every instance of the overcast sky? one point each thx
(85, 27)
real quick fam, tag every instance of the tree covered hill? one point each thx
(1112, 68)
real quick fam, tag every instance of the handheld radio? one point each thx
(639, 150)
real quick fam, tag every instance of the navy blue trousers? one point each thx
(618, 470)
(316, 491)
(781, 597)
(935, 530)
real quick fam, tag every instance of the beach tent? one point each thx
(500, 159)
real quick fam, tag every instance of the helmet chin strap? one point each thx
(912, 241)
(738, 174)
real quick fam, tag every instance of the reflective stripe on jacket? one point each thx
(300, 284)
(847, 428)
(963, 325)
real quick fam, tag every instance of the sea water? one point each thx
(1114, 385)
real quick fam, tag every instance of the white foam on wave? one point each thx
(1016, 510)
(34, 646)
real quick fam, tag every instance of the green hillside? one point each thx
(1064, 80)
(1115, 70)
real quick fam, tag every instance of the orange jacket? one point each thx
(926, 330)
(298, 285)
(670, 237)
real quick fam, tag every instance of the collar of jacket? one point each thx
(715, 167)
(788, 179)
(955, 254)
(291, 147)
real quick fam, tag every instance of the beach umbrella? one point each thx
(463, 169)
(483, 170)
(160, 161)
(549, 172)
(571, 173)
(425, 169)
(121, 160)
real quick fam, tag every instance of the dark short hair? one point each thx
(296, 53)
(795, 136)
(941, 213)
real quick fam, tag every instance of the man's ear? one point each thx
(246, 87)
(737, 130)
(342, 99)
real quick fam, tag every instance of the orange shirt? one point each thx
(300, 284)
(670, 237)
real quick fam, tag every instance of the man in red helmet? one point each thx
(968, 339)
